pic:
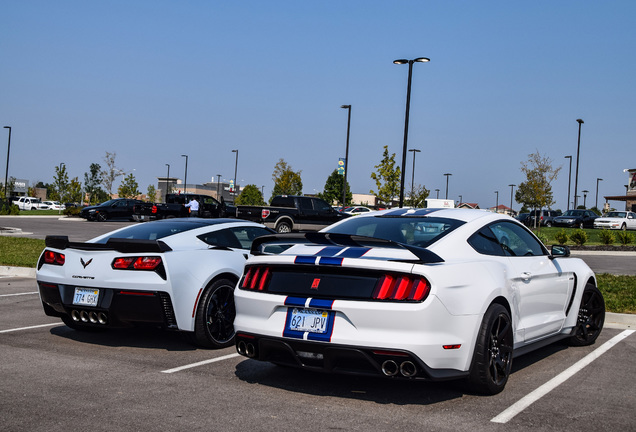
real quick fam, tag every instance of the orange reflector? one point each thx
(451, 346)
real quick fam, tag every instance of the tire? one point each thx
(102, 217)
(492, 359)
(590, 318)
(624, 227)
(283, 227)
(214, 321)
(548, 224)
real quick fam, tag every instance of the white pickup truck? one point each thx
(30, 203)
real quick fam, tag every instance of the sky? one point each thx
(151, 80)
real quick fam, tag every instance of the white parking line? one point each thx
(28, 328)
(17, 294)
(201, 363)
(537, 394)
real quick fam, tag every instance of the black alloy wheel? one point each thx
(102, 217)
(214, 324)
(492, 360)
(590, 319)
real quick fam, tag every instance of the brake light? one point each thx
(402, 287)
(154, 209)
(257, 278)
(264, 213)
(137, 263)
(54, 258)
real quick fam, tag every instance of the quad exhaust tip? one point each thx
(89, 317)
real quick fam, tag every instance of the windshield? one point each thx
(154, 231)
(416, 231)
(616, 215)
(573, 213)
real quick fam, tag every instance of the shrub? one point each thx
(72, 211)
(607, 237)
(579, 237)
(543, 238)
(9, 209)
(625, 237)
(561, 237)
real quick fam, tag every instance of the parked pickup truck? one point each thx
(30, 203)
(292, 213)
(174, 207)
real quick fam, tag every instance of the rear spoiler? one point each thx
(117, 244)
(332, 239)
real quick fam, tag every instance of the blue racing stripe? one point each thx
(295, 301)
(321, 303)
(305, 260)
(329, 251)
(354, 252)
(330, 261)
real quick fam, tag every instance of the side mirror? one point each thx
(560, 251)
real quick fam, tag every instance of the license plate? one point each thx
(86, 296)
(309, 320)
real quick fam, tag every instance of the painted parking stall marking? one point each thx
(537, 394)
(201, 363)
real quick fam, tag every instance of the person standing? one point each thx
(194, 207)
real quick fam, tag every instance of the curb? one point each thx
(9, 271)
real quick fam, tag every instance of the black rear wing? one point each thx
(332, 239)
(117, 244)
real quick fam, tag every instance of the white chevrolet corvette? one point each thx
(178, 274)
(413, 293)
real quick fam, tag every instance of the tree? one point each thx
(151, 195)
(333, 189)
(92, 182)
(420, 193)
(110, 174)
(129, 188)
(387, 178)
(286, 180)
(250, 195)
(60, 180)
(536, 191)
(75, 194)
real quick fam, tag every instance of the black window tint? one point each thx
(221, 238)
(305, 203)
(321, 205)
(485, 242)
(246, 235)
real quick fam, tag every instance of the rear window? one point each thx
(283, 201)
(416, 231)
(154, 230)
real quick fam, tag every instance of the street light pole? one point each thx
(596, 203)
(576, 177)
(461, 200)
(437, 190)
(218, 187)
(512, 186)
(569, 179)
(585, 197)
(413, 175)
(6, 173)
(167, 182)
(346, 167)
(497, 202)
(185, 180)
(406, 117)
(235, 168)
(447, 175)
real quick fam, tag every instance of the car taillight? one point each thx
(264, 213)
(54, 258)
(137, 263)
(401, 287)
(257, 278)
(154, 209)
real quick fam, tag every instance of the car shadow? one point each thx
(138, 337)
(367, 388)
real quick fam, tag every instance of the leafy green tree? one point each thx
(418, 200)
(60, 180)
(92, 182)
(387, 178)
(129, 187)
(75, 193)
(250, 195)
(110, 174)
(286, 180)
(151, 195)
(536, 191)
(333, 189)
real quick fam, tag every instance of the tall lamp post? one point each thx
(461, 200)
(344, 184)
(413, 174)
(585, 197)
(497, 202)
(6, 173)
(576, 177)
(218, 187)
(569, 179)
(447, 176)
(167, 182)
(437, 190)
(512, 186)
(235, 168)
(185, 180)
(406, 117)
(596, 203)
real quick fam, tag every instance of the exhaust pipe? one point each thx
(84, 316)
(102, 318)
(92, 316)
(390, 368)
(408, 369)
(250, 350)
(241, 348)
(75, 315)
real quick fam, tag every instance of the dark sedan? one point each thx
(576, 219)
(111, 209)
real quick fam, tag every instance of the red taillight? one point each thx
(264, 213)
(390, 287)
(256, 278)
(154, 209)
(54, 258)
(137, 263)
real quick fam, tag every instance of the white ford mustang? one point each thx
(178, 274)
(419, 293)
